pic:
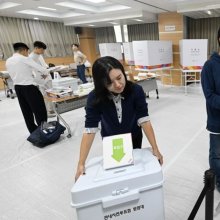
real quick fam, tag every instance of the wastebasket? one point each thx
(127, 193)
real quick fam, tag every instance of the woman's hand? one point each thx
(85, 146)
(80, 171)
(159, 156)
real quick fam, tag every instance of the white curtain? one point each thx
(205, 28)
(55, 35)
(104, 35)
(147, 31)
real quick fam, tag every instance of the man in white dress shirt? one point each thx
(36, 55)
(30, 99)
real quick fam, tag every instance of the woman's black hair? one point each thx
(100, 72)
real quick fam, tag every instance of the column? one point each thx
(172, 28)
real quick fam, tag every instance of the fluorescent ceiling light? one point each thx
(209, 12)
(50, 14)
(91, 25)
(137, 20)
(40, 13)
(95, 1)
(5, 5)
(45, 8)
(70, 14)
(92, 8)
(114, 8)
(113, 23)
(36, 18)
(77, 6)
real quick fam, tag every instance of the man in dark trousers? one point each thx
(79, 59)
(31, 101)
(37, 56)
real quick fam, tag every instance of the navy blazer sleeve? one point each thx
(93, 115)
(140, 102)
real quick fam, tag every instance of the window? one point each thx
(118, 35)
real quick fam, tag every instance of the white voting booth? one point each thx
(193, 55)
(153, 56)
(111, 49)
(150, 55)
(128, 53)
(124, 193)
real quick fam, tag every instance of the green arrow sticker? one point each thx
(118, 149)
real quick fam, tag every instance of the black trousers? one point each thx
(32, 105)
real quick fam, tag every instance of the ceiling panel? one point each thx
(85, 13)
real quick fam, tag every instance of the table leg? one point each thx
(61, 119)
(157, 93)
(147, 94)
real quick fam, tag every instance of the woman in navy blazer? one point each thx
(119, 105)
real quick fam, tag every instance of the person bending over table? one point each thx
(119, 105)
(31, 101)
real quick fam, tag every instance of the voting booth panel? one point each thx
(128, 53)
(152, 54)
(111, 49)
(193, 53)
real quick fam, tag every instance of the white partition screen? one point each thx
(152, 54)
(193, 53)
(111, 49)
(128, 53)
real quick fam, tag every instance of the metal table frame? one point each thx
(189, 73)
(56, 101)
(160, 72)
(148, 84)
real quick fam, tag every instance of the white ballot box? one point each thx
(125, 193)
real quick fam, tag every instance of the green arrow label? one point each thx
(118, 149)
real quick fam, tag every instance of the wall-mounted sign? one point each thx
(170, 27)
